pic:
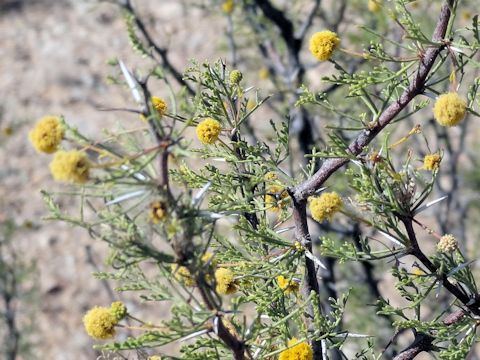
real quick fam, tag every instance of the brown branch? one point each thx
(423, 342)
(300, 193)
(310, 282)
(307, 188)
(471, 303)
(236, 345)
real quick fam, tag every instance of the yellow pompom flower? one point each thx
(235, 76)
(276, 198)
(431, 162)
(100, 323)
(208, 131)
(159, 105)
(226, 283)
(70, 166)
(47, 134)
(228, 6)
(374, 5)
(158, 211)
(301, 351)
(183, 275)
(154, 357)
(447, 244)
(118, 310)
(323, 44)
(449, 109)
(324, 207)
(288, 286)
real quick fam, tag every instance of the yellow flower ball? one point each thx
(228, 6)
(183, 275)
(288, 286)
(47, 134)
(374, 5)
(447, 244)
(70, 166)
(100, 323)
(323, 44)
(449, 109)
(158, 211)
(159, 105)
(235, 76)
(225, 281)
(118, 310)
(208, 131)
(324, 207)
(301, 351)
(154, 357)
(431, 162)
(276, 197)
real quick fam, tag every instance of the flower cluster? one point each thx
(226, 283)
(183, 275)
(324, 207)
(301, 351)
(118, 310)
(431, 161)
(288, 286)
(323, 44)
(228, 6)
(276, 197)
(235, 77)
(70, 166)
(159, 105)
(100, 323)
(158, 211)
(208, 131)
(449, 109)
(47, 134)
(447, 244)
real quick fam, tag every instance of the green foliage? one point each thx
(204, 231)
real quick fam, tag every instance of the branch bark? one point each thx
(307, 188)
(301, 192)
(423, 342)
(471, 303)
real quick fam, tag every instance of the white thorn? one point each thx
(126, 196)
(431, 203)
(391, 238)
(131, 82)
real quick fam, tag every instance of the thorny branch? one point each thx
(471, 303)
(308, 188)
(301, 192)
(423, 342)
